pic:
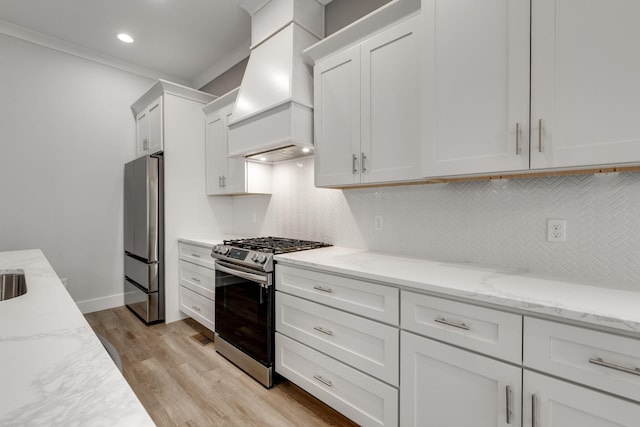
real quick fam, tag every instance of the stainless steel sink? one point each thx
(12, 284)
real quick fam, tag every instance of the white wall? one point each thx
(484, 222)
(66, 131)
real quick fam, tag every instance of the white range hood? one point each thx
(272, 118)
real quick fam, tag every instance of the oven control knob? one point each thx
(216, 249)
(224, 250)
(262, 259)
(254, 257)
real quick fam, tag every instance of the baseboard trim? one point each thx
(102, 303)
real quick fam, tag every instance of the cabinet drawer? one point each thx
(367, 345)
(358, 396)
(367, 299)
(199, 279)
(200, 255)
(480, 329)
(197, 307)
(594, 358)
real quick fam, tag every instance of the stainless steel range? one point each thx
(244, 316)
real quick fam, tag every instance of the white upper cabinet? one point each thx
(579, 75)
(475, 86)
(149, 139)
(226, 175)
(367, 110)
(585, 83)
(337, 119)
(149, 111)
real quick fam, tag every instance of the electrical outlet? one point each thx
(378, 222)
(556, 230)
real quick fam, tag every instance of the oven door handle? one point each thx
(253, 277)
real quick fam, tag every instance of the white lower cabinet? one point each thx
(326, 346)
(548, 402)
(197, 276)
(365, 400)
(445, 386)
(197, 307)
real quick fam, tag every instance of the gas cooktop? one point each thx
(274, 245)
(258, 252)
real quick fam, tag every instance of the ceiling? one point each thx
(187, 41)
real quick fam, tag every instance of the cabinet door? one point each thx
(337, 119)
(390, 146)
(445, 386)
(142, 133)
(585, 83)
(216, 153)
(475, 93)
(550, 402)
(155, 127)
(235, 180)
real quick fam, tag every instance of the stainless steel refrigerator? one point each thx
(144, 238)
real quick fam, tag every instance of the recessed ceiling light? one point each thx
(263, 159)
(306, 150)
(124, 37)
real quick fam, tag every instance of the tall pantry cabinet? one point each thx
(180, 125)
(583, 87)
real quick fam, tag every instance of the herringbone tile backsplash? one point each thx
(497, 223)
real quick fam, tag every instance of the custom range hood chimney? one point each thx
(272, 119)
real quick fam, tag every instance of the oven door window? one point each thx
(244, 315)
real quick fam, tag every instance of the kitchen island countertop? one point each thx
(514, 289)
(54, 370)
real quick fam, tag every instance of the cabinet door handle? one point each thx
(353, 163)
(598, 361)
(517, 139)
(364, 165)
(196, 308)
(534, 410)
(195, 279)
(224, 181)
(145, 144)
(195, 255)
(323, 289)
(323, 330)
(540, 132)
(323, 381)
(508, 392)
(450, 323)
(219, 181)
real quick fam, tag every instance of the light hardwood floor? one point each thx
(181, 380)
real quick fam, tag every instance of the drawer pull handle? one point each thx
(323, 330)
(598, 361)
(534, 410)
(195, 255)
(449, 323)
(323, 381)
(323, 289)
(195, 279)
(508, 404)
(195, 307)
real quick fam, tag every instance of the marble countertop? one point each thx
(54, 371)
(510, 288)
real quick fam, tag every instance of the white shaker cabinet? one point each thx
(585, 83)
(475, 86)
(445, 386)
(551, 402)
(367, 111)
(226, 175)
(149, 122)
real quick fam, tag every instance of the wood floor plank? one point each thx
(182, 381)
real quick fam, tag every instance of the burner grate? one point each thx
(275, 245)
